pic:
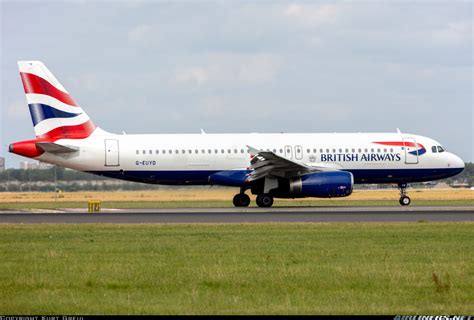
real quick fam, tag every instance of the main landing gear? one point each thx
(264, 200)
(242, 200)
(404, 199)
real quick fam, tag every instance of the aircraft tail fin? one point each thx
(54, 113)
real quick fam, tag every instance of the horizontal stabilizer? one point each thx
(52, 147)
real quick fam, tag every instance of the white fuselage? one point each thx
(200, 153)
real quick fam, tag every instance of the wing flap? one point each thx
(267, 163)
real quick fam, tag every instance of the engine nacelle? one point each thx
(326, 184)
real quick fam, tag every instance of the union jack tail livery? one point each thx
(54, 113)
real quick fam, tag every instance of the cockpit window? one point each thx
(433, 148)
(440, 149)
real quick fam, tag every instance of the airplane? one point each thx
(270, 165)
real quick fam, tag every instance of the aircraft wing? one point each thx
(52, 147)
(265, 163)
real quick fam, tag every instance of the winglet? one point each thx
(398, 131)
(202, 131)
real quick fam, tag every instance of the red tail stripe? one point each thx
(80, 131)
(400, 143)
(34, 84)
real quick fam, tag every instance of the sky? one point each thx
(248, 66)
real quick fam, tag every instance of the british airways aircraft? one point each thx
(279, 165)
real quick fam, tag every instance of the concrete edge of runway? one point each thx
(252, 210)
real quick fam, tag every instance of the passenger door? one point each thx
(111, 152)
(411, 151)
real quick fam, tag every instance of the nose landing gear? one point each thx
(404, 199)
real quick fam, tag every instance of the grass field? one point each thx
(396, 268)
(221, 197)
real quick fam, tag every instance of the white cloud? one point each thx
(191, 75)
(18, 111)
(313, 14)
(230, 69)
(86, 82)
(258, 69)
(140, 34)
(453, 34)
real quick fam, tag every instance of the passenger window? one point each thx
(150, 152)
(235, 151)
(190, 151)
(440, 149)
(281, 150)
(340, 150)
(308, 150)
(228, 151)
(315, 150)
(222, 150)
(241, 150)
(183, 151)
(347, 150)
(196, 151)
(164, 151)
(157, 151)
(176, 151)
(216, 151)
(209, 151)
(378, 150)
(138, 151)
(321, 150)
(433, 148)
(353, 150)
(144, 151)
(170, 151)
(391, 149)
(359, 150)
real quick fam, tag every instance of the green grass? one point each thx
(219, 204)
(337, 268)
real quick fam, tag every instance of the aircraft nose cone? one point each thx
(459, 163)
(456, 162)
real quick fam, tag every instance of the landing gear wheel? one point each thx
(405, 200)
(241, 200)
(264, 200)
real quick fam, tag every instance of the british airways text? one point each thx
(367, 157)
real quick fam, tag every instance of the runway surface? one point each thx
(244, 215)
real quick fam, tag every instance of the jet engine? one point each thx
(326, 184)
